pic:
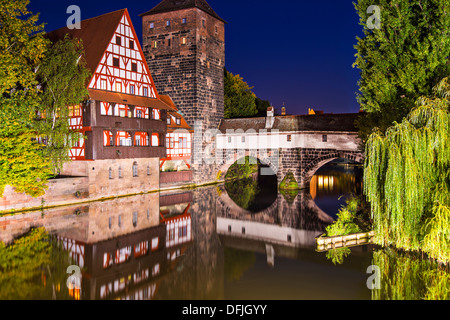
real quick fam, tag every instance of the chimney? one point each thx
(270, 119)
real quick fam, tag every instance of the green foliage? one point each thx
(63, 75)
(405, 276)
(402, 60)
(22, 44)
(21, 163)
(262, 106)
(338, 255)
(345, 224)
(242, 169)
(406, 178)
(33, 267)
(239, 98)
(237, 262)
(243, 191)
(28, 63)
(289, 182)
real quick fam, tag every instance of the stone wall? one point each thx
(187, 63)
(90, 180)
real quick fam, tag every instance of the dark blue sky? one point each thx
(299, 53)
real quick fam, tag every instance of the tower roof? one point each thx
(175, 5)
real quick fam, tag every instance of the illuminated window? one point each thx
(155, 140)
(168, 23)
(156, 114)
(108, 139)
(155, 44)
(184, 21)
(141, 139)
(123, 139)
(183, 40)
(152, 25)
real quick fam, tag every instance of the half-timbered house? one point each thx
(123, 119)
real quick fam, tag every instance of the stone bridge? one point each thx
(296, 144)
(290, 221)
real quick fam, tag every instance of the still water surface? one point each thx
(231, 242)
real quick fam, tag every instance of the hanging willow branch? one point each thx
(406, 178)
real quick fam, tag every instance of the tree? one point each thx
(63, 75)
(402, 60)
(239, 98)
(262, 106)
(407, 178)
(22, 44)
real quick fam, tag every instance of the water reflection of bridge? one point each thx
(291, 222)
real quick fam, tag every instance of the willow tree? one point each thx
(407, 178)
(63, 75)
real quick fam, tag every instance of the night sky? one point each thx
(297, 53)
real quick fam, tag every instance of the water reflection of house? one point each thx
(123, 247)
(175, 215)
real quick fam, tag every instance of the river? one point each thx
(238, 241)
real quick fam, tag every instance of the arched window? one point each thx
(135, 169)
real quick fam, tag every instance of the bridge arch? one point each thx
(269, 159)
(315, 164)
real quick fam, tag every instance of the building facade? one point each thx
(123, 119)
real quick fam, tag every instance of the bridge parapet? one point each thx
(297, 144)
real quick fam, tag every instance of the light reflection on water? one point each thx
(199, 245)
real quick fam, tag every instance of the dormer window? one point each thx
(178, 121)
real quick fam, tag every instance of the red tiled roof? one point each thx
(96, 34)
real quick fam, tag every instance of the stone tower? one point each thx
(184, 45)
